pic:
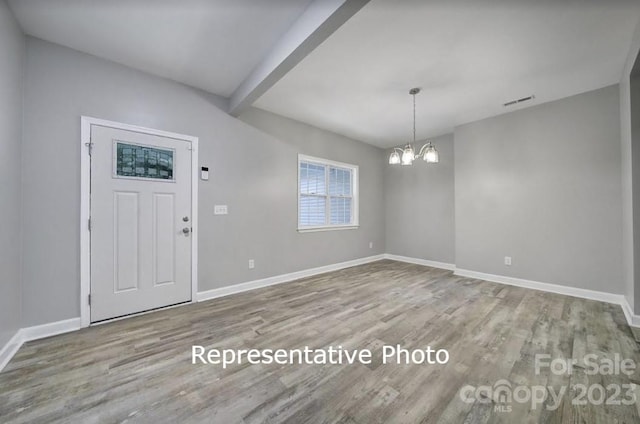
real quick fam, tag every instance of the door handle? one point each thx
(186, 231)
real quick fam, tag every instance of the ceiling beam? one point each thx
(321, 19)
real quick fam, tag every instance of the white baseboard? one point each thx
(10, 349)
(284, 278)
(34, 333)
(633, 320)
(424, 262)
(547, 287)
(51, 329)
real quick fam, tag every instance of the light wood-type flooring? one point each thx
(139, 370)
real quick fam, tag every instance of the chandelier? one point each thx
(407, 155)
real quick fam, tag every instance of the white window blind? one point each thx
(327, 194)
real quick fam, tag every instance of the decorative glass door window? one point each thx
(137, 161)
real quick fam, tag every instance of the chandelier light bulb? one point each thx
(408, 155)
(431, 154)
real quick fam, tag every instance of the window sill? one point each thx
(327, 228)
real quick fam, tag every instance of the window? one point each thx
(327, 194)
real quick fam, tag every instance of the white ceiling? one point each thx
(468, 56)
(209, 44)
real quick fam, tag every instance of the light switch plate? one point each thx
(220, 210)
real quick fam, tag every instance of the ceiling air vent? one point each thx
(515, 102)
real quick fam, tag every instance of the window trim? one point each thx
(355, 195)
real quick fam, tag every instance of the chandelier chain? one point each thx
(414, 118)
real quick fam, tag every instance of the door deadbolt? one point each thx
(185, 218)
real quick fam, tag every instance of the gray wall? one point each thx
(253, 172)
(12, 46)
(627, 173)
(423, 196)
(543, 186)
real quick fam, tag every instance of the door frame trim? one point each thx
(86, 122)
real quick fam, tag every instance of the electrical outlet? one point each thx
(507, 260)
(252, 264)
(220, 209)
(370, 245)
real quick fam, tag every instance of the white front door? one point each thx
(140, 222)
